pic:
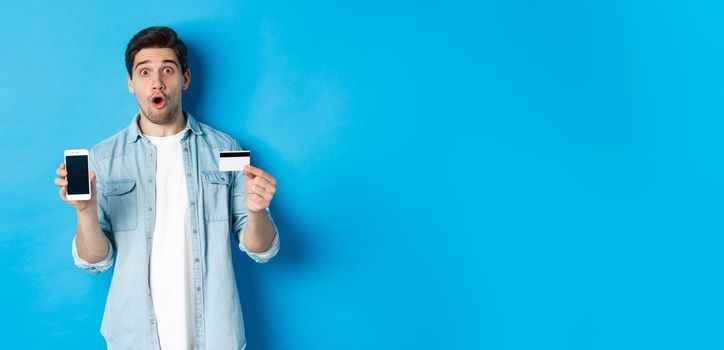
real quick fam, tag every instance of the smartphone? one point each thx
(76, 163)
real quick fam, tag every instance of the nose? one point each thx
(158, 83)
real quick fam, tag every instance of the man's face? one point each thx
(157, 83)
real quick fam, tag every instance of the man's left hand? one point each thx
(260, 188)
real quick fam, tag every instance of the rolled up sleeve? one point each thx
(269, 253)
(240, 216)
(107, 262)
(93, 268)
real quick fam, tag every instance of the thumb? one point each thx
(92, 176)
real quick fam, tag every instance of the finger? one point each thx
(269, 188)
(252, 187)
(252, 204)
(92, 177)
(61, 182)
(61, 172)
(262, 181)
(260, 191)
(61, 192)
(258, 200)
(259, 184)
(261, 173)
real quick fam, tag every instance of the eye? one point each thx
(168, 70)
(144, 72)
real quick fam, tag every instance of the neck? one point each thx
(174, 127)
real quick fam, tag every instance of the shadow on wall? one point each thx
(248, 274)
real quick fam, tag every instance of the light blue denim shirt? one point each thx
(125, 167)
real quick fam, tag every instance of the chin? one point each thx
(159, 119)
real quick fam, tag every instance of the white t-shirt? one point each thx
(170, 267)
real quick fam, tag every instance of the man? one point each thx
(161, 208)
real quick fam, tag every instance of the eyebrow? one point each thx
(164, 61)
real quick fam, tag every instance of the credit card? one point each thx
(234, 160)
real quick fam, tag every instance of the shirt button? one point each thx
(195, 231)
(188, 174)
(150, 209)
(198, 289)
(192, 202)
(196, 260)
(150, 180)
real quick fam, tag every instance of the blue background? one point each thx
(452, 175)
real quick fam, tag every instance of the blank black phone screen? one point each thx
(77, 167)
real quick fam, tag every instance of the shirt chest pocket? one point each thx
(122, 204)
(216, 188)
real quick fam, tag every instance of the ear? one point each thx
(130, 84)
(187, 78)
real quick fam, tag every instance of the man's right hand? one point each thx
(63, 184)
(90, 241)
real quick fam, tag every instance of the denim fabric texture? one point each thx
(125, 166)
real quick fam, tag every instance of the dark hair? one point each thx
(156, 37)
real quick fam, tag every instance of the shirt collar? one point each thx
(134, 132)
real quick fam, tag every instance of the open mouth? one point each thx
(158, 102)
